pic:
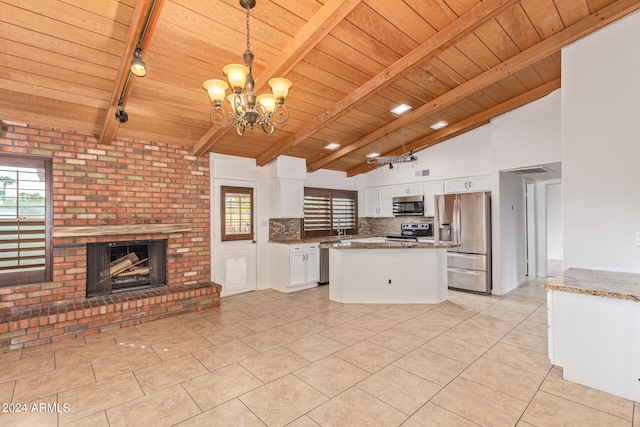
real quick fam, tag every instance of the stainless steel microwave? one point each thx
(408, 206)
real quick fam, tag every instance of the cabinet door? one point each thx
(291, 195)
(297, 269)
(371, 201)
(431, 189)
(479, 183)
(385, 201)
(458, 185)
(407, 190)
(312, 266)
(464, 185)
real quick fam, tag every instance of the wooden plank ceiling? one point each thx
(63, 64)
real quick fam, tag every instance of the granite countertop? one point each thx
(609, 284)
(388, 245)
(319, 239)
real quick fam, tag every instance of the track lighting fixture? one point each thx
(138, 67)
(121, 115)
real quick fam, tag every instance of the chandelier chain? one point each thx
(248, 9)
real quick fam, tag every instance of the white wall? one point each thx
(465, 155)
(554, 221)
(527, 136)
(510, 252)
(325, 178)
(601, 148)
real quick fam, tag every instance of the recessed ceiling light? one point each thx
(373, 155)
(439, 125)
(332, 146)
(402, 108)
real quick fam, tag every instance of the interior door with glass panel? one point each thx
(235, 257)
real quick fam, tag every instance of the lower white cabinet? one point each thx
(294, 267)
(596, 340)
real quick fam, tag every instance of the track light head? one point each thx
(138, 66)
(121, 115)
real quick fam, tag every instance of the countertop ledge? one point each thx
(319, 239)
(387, 245)
(607, 284)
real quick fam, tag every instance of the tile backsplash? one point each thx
(291, 228)
(387, 226)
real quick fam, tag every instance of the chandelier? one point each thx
(247, 109)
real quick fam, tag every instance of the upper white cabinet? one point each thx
(431, 189)
(287, 198)
(468, 184)
(415, 189)
(378, 202)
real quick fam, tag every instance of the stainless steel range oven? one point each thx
(411, 233)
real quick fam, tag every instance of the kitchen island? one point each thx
(389, 272)
(594, 329)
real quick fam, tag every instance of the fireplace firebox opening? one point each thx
(114, 267)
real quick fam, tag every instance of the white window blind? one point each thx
(326, 211)
(23, 221)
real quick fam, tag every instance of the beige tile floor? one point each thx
(267, 358)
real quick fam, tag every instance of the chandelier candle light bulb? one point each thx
(247, 109)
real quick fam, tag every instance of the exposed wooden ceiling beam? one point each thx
(321, 24)
(110, 125)
(466, 125)
(458, 29)
(539, 51)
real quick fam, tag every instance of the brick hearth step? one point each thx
(29, 328)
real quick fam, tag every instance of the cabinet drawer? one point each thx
(472, 262)
(296, 248)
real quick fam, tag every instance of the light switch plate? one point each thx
(638, 238)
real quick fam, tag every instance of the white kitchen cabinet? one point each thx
(431, 189)
(294, 267)
(287, 198)
(596, 340)
(468, 184)
(378, 202)
(415, 189)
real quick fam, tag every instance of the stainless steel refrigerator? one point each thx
(465, 219)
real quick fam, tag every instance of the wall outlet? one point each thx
(637, 238)
(389, 282)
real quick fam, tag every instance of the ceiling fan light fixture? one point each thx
(439, 125)
(138, 66)
(373, 155)
(247, 109)
(400, 109)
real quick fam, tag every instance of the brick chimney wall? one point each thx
(128, 182)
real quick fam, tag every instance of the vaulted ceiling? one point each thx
(63, 63)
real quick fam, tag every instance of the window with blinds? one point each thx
(326, 211)
(25, 218)
(237, 213)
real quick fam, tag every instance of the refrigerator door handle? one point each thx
(456, 220)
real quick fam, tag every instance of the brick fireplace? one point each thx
(128, 191)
